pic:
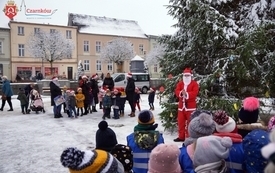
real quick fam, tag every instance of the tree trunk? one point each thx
(52, 71)
(119, 67)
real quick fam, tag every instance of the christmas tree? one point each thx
(80, 69)
(219, 41)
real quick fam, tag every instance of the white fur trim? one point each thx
(96, 76)
(227, 127)
(181, 95)
(268, 150)
(109, 164)
(187, 95)
(84, 77)
(55, 78)
(187, 74)
(130, 76)
(87, 157)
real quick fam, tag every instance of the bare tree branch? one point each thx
(117, 51)
(155, 54)
(49, 46)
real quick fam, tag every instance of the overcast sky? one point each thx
(150, 14)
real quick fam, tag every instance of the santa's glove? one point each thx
(153, 127)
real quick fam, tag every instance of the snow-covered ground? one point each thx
(33, 143)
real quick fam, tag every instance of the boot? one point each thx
(132, 114)
(94, 110)
(122, 115)
(57, 116)
(100, 105)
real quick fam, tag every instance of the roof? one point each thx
(105, 26)
(137, 58)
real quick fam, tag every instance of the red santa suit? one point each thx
(187, 92)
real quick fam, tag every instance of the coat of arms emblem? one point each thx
(10, 9)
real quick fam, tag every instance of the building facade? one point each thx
(155, 69)
(26, 66)
(5, 57)
(95, 32)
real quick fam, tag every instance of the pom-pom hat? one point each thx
(124, 154)
(54, 78)
(249, 113)
(84, 77)
(146, 117)
(95, 161)
(211, 149)
(164, 159)
(224, 123)
(94, 76)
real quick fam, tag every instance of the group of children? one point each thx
(216, 143)
(116, 100)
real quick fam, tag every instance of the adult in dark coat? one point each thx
(130, 93)
(85, 85)
(95, 91)
(28, 89)
(108, 82)
(55, 91)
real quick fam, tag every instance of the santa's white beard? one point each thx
(187, 80)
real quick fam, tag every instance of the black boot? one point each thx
(93, 109)
(100, 105)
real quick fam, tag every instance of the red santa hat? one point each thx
(129, 75)
(84, 77)
(54, 78)
(94, 76)
(79, 89)
(187, 71)
(115, 90)
(152, 89)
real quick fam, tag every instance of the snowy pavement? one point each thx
(33, 143)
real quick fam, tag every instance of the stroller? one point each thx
(36, 103)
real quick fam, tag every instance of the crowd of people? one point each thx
(216, 144)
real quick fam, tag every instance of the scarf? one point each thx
(235, 137)
(56, 82)
(144, 127)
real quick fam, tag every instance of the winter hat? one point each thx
(115, 90)
(250, 111)
(105, 137)
(211, 149)
(84, 77)
(94, 161)
(54, 78)
(271, 124)
(152, 89)
(196, 113)
(72, 92)
(79, 89)
(129, 75)
(268, 152)
(146, 117)
(187, 71)
(164, 158)
(94, 76)
(124, 154)
(224, 123)
(4, 78)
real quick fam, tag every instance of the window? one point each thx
(36, 30)
(1, 47)
(20, 30)
(155, 68)
(110, 66)
(52, 30)
(98, 65)
(141, 77)
(69, 34)
(86, 65)
(120, 78)
(86, 46)
(98, 47)
(140, 48)
(21, 50)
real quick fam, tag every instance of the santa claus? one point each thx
(186, 91)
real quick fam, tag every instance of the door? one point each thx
(120, 80)
(70, 73)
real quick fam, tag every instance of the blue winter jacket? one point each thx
(6, 88)
(185, 161)
(252, 144)
(236, 158)
(139, 140)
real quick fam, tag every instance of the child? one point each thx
(116, 103)
(122, 103)
(151, 98)
(24, 101)
(137, 98)
(71, 104)
(79, 101)
(107, 103)
(100, 96)
(64, 95)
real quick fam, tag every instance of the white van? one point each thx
(142, 80)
